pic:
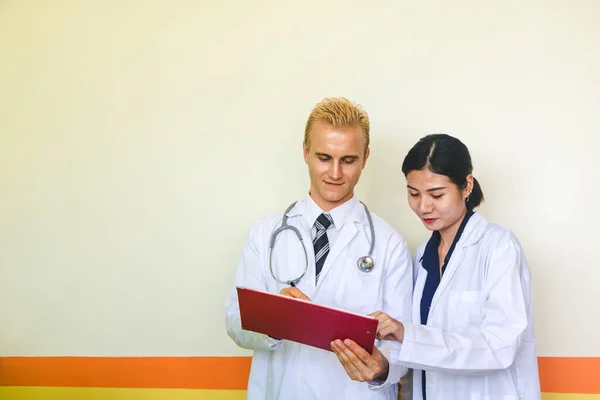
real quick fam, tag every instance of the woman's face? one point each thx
(437, 201)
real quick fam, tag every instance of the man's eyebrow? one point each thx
(327, 155)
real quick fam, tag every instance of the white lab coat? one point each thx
(479, 340)
(288, 370)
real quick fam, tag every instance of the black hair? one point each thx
(444, 155)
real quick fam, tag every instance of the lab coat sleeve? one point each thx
(492, 345)
(397, 300)
(249, 274)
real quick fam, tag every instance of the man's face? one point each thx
(335, 160)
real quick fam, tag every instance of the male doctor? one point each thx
(335, 228)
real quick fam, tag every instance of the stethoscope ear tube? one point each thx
(277, 231)
(372, 229)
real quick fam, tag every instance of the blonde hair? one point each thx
(338, 112)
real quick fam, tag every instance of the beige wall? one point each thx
(139, 139)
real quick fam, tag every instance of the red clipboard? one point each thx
(303, 321)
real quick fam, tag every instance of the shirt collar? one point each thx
(339, 214)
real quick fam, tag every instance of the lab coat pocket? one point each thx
(465, 309)
(359, 291)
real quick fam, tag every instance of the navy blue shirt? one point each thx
(431, 263)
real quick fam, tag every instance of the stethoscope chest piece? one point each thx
(365, 264)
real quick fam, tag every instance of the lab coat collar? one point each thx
(473, 230)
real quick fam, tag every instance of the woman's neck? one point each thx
(448, 234)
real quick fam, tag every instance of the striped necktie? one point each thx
(321, 242)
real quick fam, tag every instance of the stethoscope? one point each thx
(364, 263)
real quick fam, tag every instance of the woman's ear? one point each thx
(469, 186)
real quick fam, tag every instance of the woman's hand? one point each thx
(388, 328)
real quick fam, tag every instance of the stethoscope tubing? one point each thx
(364, 263)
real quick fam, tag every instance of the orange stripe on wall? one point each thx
(570, 375)
(557, 374)
(228, 373)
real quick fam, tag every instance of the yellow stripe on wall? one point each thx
(73, 393)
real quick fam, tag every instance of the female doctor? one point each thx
(471, 335)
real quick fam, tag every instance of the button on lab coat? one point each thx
(288, 370)
(479, 339)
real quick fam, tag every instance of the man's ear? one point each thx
(305, 152)
(367, 153)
